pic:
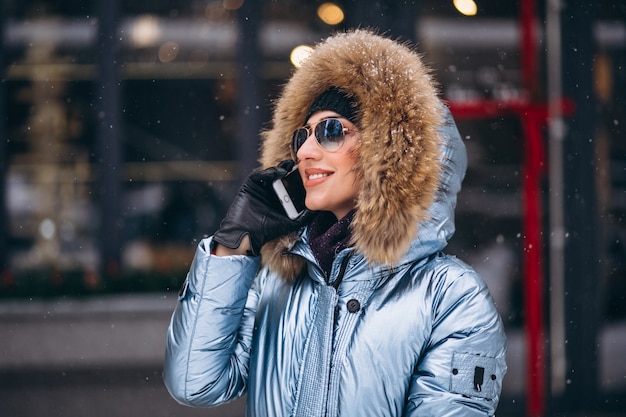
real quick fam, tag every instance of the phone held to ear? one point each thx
(291, 193)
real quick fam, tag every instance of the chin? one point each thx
(314, 205)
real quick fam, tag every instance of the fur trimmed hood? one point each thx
(401, 151)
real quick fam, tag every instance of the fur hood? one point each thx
(400, 116)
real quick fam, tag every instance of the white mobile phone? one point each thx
(291, 193)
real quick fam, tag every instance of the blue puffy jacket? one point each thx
(419, 336)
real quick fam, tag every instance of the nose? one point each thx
(309, 149)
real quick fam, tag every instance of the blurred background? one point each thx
(126, 128)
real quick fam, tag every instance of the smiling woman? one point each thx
(358, 281)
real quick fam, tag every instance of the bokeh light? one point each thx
(466, 7)
(47, 229)
(168, 51)
(330, 13)
(233, 4)
(299, 54)
(145, 31)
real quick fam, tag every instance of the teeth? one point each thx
(316, 176)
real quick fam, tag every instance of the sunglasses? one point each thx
(329, 134)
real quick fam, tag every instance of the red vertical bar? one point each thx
(532, 211)
(528, 46)
(533, 272)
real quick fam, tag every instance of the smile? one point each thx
(317, 176)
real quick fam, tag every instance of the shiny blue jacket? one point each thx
(398, 328)
(420, 338)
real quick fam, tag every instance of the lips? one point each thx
(315, 176)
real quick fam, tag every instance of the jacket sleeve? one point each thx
(208, 340)
(460, 372)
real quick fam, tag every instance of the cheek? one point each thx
(354, 172)
(351, 185)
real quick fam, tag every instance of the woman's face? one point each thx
(329, 177)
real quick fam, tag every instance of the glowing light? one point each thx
(47, 229)
(466, 7)
(214, 11)
(145, 31)
(330, 13)
(299, 54)
(168, 51)
(232, 4)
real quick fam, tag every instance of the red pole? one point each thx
(528, 46)
(533, 165)
(533, 263)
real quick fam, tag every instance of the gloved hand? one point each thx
(256, 212)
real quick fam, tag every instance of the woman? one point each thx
(351, 309)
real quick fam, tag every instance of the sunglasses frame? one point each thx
(312, 129)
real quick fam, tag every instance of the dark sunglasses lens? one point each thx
(329, 134)
(297, 140)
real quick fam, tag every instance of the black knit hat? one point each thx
(335, 100)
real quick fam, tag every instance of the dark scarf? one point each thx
(328, 237)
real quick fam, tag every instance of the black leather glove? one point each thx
(256, 212)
